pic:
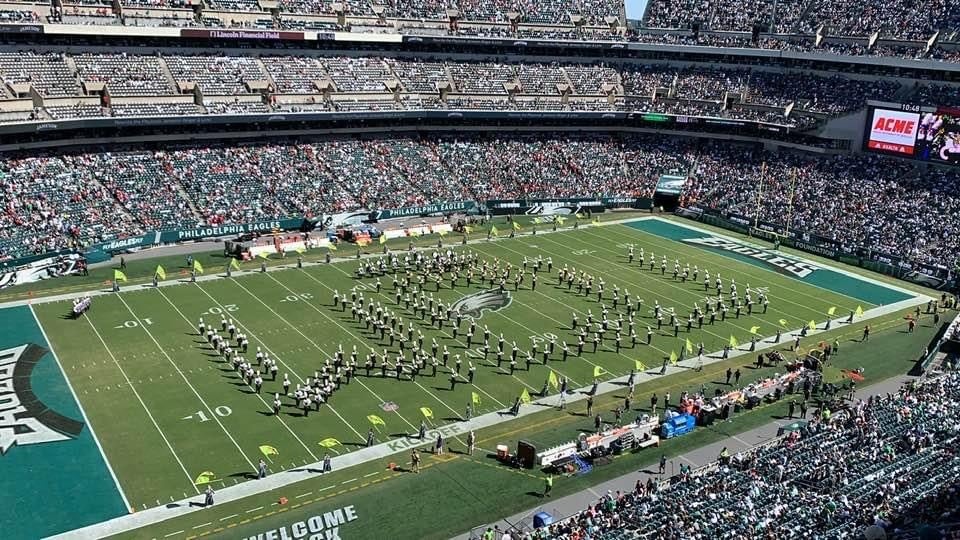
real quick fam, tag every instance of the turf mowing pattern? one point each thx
(167, 409)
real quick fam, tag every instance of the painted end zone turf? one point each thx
(52, 473)
(811, 273)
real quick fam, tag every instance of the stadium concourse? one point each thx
(72, 200)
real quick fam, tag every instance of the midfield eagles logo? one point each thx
(475, 304)
(24, 419)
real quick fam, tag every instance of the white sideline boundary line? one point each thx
(144, 405)
(83, 413)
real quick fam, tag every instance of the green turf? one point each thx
(486, 491)
(171, 410)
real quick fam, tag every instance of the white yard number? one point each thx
(133, 324)
(541, 339)
(215, 310)
(582, 252)
(220, 411)
(625, 246)
(296, 297)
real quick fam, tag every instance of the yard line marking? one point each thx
(307, 494)
(214, 416)
(371, 474)
(260, 397)
(231, 516)
(135, 393)
(348, 481)
(314, 343)
(204, 525)
(172, 534)
(326, 488)
(279, 359)
(254, 510)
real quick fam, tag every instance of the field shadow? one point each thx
(536, 494)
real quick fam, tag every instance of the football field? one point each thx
(171, 416)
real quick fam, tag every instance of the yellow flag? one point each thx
(859, 311)
(783, 322)
(476, 398)
(414, 233)
(596, 220)
(160, 272)
(552, 379)
(235, 264)
(197, 267)
(494, 231)
(689, 346)
(832, 310)
(673, 357)
(537, 220)
(331, 246)
(383, 239)
(812, 325)
(561, 219)
(268, 450)
(733, 342)
(578, 216)
(754, 330)
(204, 478)
(516, 226)
(376, 420)
(329, 442)
(640, 365)
(301, 250)
(442, 232)
(119, 276)
(362, 242)
(426, 412)
(525, 396)
(597, 371)
(263, 255)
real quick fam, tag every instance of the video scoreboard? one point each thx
(913, 131)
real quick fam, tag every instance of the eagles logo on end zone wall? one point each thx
(475, 304)
(24, 419)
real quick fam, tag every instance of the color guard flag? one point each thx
(812, 325)
(596, 220)
(204, 478)
(494, 231)
(235, 264)
(329, 442)
(673, 357)
(427, 413)
(476, 398)
(383, 239)
(376, 420)
(268, 450)
(859, 311)
(160, 272)
(597, 371)
(552, 379)
(197, 267)
(516, 226)
(263, 255)
(783, 322)
(331, 246)
(301, 250)
(832, 310)
(537, 220)
(469, 229)
(442, 232)
(754, 330)
(640, 365)
(733, 342)
(525, 396)
(689, 346)
(578, 216)
(561, 219)
(119, 276)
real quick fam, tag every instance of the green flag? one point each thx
(475, 397)
(119, 276)
(197, 267)
(160, 272)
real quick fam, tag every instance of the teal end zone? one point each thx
(56, 486)
(825, 278)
